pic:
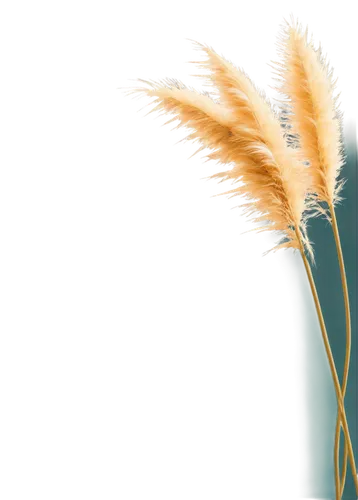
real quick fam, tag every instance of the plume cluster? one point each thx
(276, 174)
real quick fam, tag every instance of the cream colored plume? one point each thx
(244, 132)
(306, 83)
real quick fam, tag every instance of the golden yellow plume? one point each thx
(306, 84)
(246, 133)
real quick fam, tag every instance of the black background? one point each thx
(208, 384)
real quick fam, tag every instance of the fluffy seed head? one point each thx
(247, 143)
(312, 97)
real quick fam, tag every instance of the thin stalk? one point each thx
(348, 349)
(332, 367)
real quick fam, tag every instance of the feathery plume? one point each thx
(305, 81)
(243, 131)
(260, 130)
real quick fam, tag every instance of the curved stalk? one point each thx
(332, 366)
(348, 350)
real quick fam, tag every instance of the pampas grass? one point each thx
(284, 163)
(247, 135)
(307, 87)
(306, 81)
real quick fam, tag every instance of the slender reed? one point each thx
(337, 386)
(348, 345)
(306, 83)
